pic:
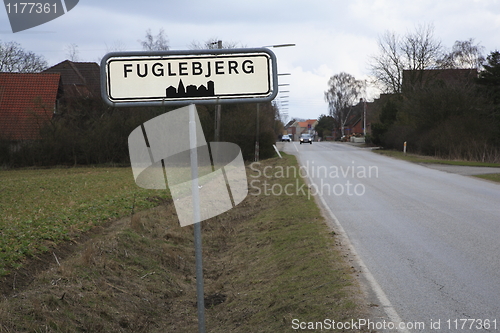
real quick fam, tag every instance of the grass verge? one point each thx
(495, 177)
(432, 160)
(41, 208)
(268, 261)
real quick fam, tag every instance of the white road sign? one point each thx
(181, 77)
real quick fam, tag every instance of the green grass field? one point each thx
(40, 208)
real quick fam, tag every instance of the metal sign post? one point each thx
(196, 217)
(162, 78)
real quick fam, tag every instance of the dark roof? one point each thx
(419, 78)
(27, 102)
(78, 78)
(357, 112)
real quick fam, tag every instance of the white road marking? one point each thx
(382, 297)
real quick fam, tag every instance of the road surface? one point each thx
(430, 239)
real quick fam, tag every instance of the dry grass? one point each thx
(269, 260)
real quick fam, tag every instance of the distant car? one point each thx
(286, 137)
(305, 138)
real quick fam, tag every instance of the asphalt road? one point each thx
(429, 238)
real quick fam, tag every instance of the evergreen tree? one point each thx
(490, 77)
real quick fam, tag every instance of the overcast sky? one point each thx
(331, 36)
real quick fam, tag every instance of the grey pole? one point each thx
(217, 122)
(257, 148)
(217, 109)
(364, 117)
(196, 216)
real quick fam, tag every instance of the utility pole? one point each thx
(217, 122)
(200, 294)
(364, 117)
(257, 153)
(217, 109)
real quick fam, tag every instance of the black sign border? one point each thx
(223, 99)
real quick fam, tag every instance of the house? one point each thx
(355, 123)
(414, 79)
(27, 103)
(307, 126)
(79, 79)
(296, 128)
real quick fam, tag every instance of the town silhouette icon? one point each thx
(191, 90)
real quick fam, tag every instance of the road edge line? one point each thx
(377, 289)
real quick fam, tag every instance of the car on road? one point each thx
(305, 138)
(286, 137)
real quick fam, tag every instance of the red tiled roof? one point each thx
(27, 102)
(304, 124)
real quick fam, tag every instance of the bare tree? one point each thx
(420, 49)
(212, 43)
(416, 50)
(158, 43)
(72, 52)
(464, 54)
(13, 58)
(387, 67)
(343, 92)
(117, 46)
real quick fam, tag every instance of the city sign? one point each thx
(181, 77)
